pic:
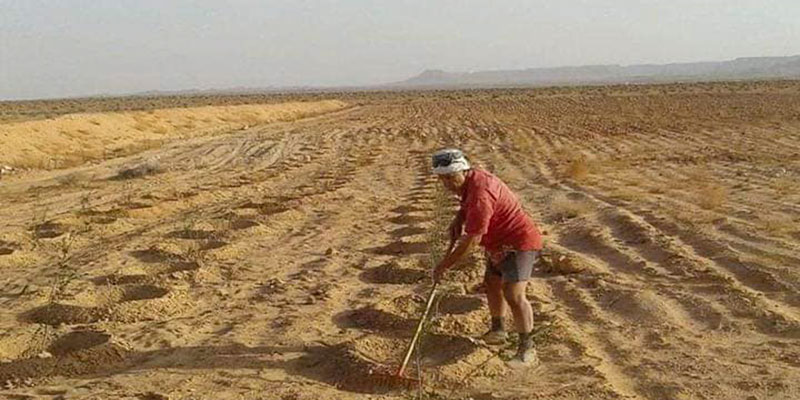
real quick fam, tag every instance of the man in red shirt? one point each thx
(491, 215)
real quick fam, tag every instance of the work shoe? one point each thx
(495, 337)
(526, 356)
(524, 359)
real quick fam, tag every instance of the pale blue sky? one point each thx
(61, 48)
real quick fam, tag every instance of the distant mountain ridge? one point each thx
(740, 68)
(744, 68)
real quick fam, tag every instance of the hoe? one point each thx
(398, 378)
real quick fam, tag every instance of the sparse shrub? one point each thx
(194, 253)
(86, 203)
(39, 211)
(71, 179)
(438, 236)
(188, 226)
(149, 167)
(65, 273)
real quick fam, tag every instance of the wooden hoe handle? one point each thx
(418, 332)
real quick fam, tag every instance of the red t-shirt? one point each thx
(489, 208)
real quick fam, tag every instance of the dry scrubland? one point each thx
(26, 110)
(73, 139)
(287, 260)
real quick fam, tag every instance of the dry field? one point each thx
(289, 259)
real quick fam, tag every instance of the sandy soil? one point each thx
(288, 260)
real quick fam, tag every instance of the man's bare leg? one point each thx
(514, 293)
(497, 309)
(494, 295)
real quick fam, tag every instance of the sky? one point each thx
(65, 48)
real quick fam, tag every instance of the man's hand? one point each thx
(455, 255)
(438, 272)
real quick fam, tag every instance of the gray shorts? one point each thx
(516, 267)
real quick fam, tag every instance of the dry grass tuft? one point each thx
(694, 218)
(777, 224)
(574, 165)
(784, 186)
(626, 193)
(712, 196)
(563, 207)
(577, 169)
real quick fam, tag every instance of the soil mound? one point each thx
(400, 247)
(409, 219)
(393, 274)
(640, 306)
(557, 262)
(213, 244)
(76, 353)
(56, 314)
(126, 303)
(435, 350)
(192, 234)
(367, 364)
(243, 223)
(142, 292)
(49, 230)
(370, 318)
(7, 248)
(455, 304)
(116, 279)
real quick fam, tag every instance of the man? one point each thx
(491, 216)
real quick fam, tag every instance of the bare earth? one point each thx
(289, 260)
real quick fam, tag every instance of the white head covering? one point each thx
(449, 161)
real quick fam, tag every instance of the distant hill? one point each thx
(740, 68)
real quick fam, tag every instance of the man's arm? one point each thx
(456, 227)
(475, 213)
(467, 243)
